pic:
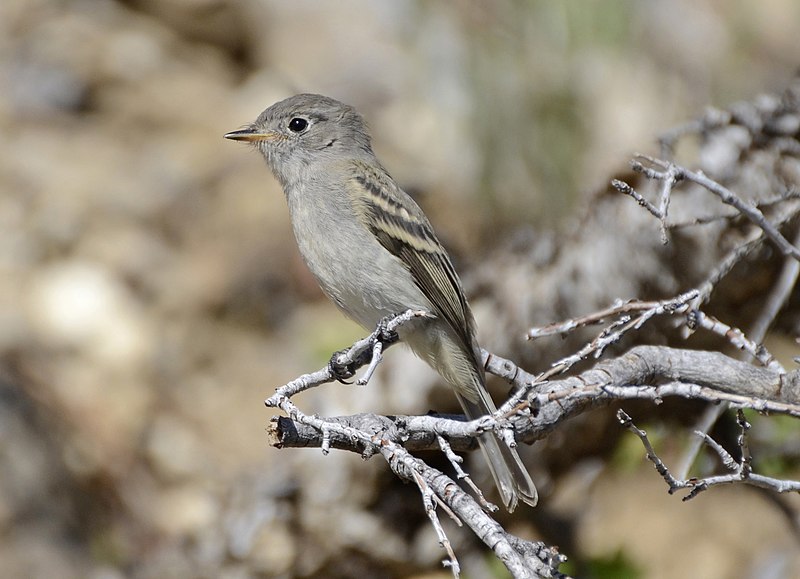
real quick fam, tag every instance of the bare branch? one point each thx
(776, 299)
(741, 469)
(736, 337)
(455, 462)
(615, 331)
(649, 310)
(771, 202)
(351, 357)
(626, 421)
(645, 372)
(626, 189)
(430, 500)
(669, 174)
(523, 559)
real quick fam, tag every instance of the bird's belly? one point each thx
(365, 281)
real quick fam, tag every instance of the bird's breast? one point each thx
(353, 269)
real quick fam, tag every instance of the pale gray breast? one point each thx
(352, 267)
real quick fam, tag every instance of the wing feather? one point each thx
(402, 228)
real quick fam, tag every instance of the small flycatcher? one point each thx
(374, 252)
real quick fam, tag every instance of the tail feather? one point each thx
(440, 348)
(510, 475)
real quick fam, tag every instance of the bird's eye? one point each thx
(298, 125)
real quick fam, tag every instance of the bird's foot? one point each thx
(342, 371)
(383, 334)
(382, 337)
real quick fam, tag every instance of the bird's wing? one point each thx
(401, 227)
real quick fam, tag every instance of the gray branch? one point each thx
(741, 471)
(645, 372)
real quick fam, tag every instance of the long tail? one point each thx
(442, 348)
(510, 475)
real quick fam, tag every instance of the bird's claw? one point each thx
(341, 372)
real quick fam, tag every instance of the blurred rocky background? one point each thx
(151, 295)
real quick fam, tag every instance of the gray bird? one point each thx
(374, 252)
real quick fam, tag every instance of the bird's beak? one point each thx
(250, 135)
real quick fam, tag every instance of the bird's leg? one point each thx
(342, 370)
(385, 335)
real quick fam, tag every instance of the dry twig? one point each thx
(741, 470)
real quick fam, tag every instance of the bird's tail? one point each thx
(510, 475)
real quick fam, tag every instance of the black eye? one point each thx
(297, 125)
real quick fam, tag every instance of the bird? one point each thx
(375, 253)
